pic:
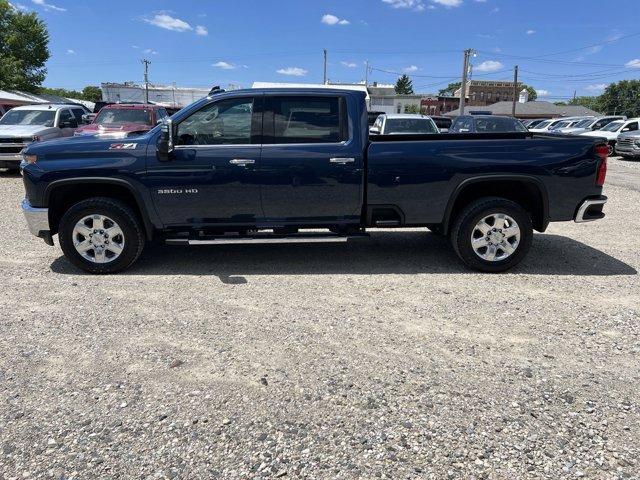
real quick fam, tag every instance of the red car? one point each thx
(123, 119)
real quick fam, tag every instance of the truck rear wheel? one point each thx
(492, 234)
(101, 235)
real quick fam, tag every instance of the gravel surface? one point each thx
(381, 359)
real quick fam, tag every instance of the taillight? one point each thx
(602, 151)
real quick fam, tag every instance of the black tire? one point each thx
(122, 214)
(469, 217)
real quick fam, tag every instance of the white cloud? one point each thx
(225, 65)
(489, 66)
(495, 10)
(135, 46)
(19, 7)
(329, 19)
(349, 64)
(165, 21)
(596, 88)
(417, 5)
(530, 32)
(150, 51)
(48, 6)
(410, 69)
(448, 3)
(542, 93)
(71, 51)
(293, 71)
(200, 30)
(635, 63)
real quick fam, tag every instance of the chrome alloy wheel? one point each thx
(98, 239)
(495, 237)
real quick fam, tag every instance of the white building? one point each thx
(384, 99)
(168, 96)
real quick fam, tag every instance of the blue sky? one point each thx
(560, 45)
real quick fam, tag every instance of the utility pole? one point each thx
(325, 67)
(575, 92)
(366, 73)
(146, 80)
(465, 70)
(515, 91)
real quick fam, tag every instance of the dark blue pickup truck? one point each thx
(298, 165)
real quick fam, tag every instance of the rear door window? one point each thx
(321, 119)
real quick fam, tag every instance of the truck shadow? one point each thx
(400, 253)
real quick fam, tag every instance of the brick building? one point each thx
(487, 92)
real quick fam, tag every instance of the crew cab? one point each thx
(298, 165)
(21, 126)
(122, 120)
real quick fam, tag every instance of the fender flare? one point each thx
(150, 218)
(489, 178)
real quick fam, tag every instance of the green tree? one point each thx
(23, 49)
(594, 103)
(450, 90)
(532, 92)
(621, 98)
(92, 93)
(404, 86)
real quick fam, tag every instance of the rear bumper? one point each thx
(590, 209)
(37, 221)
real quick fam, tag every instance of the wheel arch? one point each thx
(528, 191)
(60, 195)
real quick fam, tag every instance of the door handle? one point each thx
(342, 160)
(243, 162)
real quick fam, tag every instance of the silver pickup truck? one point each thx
(24, 125)
(628, 144)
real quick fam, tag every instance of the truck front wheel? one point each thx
(492, 234)
(101, 235)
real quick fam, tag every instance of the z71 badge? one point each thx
(123, 146)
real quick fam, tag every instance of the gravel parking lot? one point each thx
(380, 359)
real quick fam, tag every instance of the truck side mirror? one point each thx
(164, 145)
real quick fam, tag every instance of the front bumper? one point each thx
(37, 220)
(590, 209)
(628, 150)
(10, 160)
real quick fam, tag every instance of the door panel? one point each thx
(311, 170)
(211, 179)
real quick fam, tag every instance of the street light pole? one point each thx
(465, 70)
(146, 80)
(515, 91)
(325, 67)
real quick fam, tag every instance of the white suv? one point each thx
(21, 126)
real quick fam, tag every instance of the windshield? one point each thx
(544, 124)
(123, 115)
(46, 118)
(561, 125)
(613, 127)
(409, 125)
(584, 123)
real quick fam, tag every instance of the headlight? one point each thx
(36, 138)
(638, 142)
(29, 159)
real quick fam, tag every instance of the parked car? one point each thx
(443, 123)
(553, 123)
(372, 117)
(593, 123)
(628, 144)
(123, 120)
(532, 122)
(611, 131)
(24, 125)
(486, 124)
(221, 172)
(403, 124)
